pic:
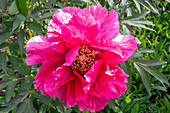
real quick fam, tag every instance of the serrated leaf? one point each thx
(157, 74)
(15, 101)
(20, 65)
(22, 6)
(3, 84)
(10, 89)
(20, 40)
(151, 62)
(43, 99)
(3, 4)
(26, 84)
(4, 36)
(3, 61)
(35, 27)
(144, 77)
(13, 8)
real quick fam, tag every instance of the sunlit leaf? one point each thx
(35, 27)
(157, 74)
(151, 62)
(13, 8)
(22, 6)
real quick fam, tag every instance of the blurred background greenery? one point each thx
(148, 69)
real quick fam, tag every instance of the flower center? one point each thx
(84, 60)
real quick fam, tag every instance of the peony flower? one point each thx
(80, 54)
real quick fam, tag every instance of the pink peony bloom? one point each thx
(80, 54)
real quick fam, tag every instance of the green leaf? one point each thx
(151, 62)
(3, 4)
(123, 11)
(166, 103)
(19, 21)
(137, 17)
(3, 61)
(13, 8)
(26, 84)
(136, 54)
(137, 5)
(35, 27)
(26, 107)
(3, 45)
(3, 84)
(157, 74)
(10, 89)
(20, 40)
(15, 101)
(4, 36)
(43, 99)
(20, 65)
(43, 108)
(145, 50)
(137, 24)
(22, 6)
(144, 77)
(159, 88)
(148, 5)
(135, 108)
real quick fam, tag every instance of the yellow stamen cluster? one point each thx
(84, 60)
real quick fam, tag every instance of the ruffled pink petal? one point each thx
(91, 75)
(58, 46)
(98, 12)
(80, 29)
(93, 102)
(71, 10)
(127, 47)
(47, 67)
(118, 50)
(71, 55)
(111, 82)
(37, 43)
(55, 26)
(55, 80)
(40, 51)
(66, 93)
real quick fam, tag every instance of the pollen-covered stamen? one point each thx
(84, 60)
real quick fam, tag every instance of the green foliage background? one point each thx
(148, 69)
